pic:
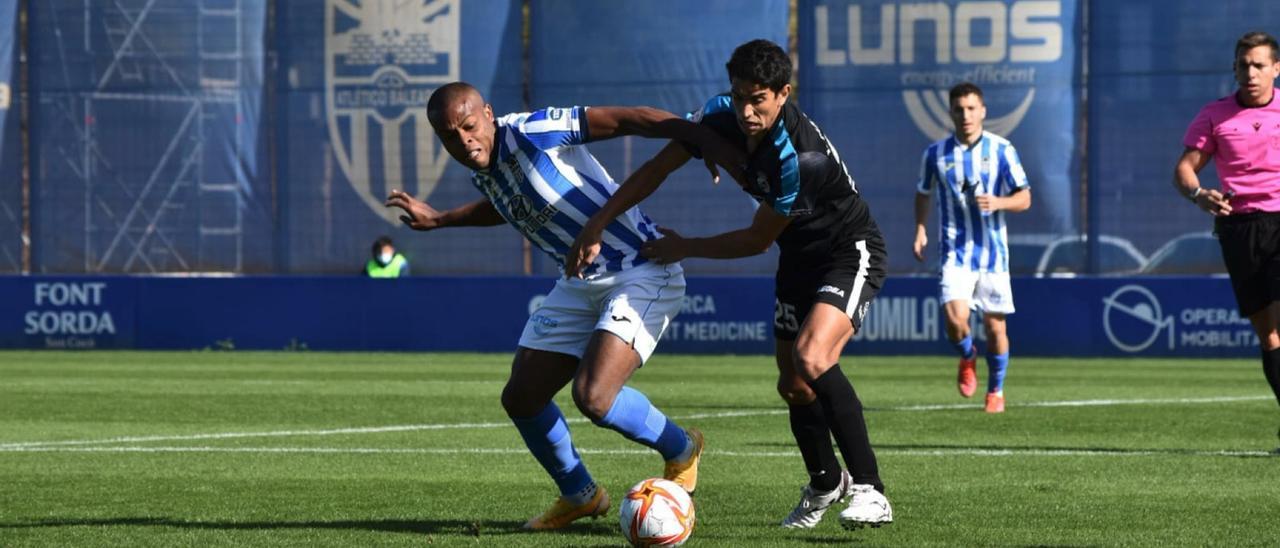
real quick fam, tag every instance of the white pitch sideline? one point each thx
(937, 452)
(696, 416)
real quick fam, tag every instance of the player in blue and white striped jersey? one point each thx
(537, 175)
(977, 177)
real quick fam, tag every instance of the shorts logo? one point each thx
(382, 60)
(543, 325)
(831, 289)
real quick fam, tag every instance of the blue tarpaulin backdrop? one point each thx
(10, 144)
(210, 136)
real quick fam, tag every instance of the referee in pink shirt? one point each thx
(1241, 132)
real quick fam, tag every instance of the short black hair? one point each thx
(964, 89)
(1254, 39)
(762, 62)
(446, 94)
(380, 243)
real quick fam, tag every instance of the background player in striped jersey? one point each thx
(977, 177)
(830, 268)
(538, 177)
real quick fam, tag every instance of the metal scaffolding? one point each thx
(186, 213)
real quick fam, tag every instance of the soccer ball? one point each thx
(656, 512)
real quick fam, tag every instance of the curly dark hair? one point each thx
(762, 62)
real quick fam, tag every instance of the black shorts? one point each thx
(849, 284)
(1251, 250)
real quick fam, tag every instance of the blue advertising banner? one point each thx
(1153, 65)
(1056, 317)
(1147, 316)
(10, 144)
(69, 312)
(353, 83)
(668, 54)
(875, 75)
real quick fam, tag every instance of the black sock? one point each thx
(1271, 367)
(809, 426)
(844, 417)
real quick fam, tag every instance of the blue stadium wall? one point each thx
(1164, 316)
(260, 136)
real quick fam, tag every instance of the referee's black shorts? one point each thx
(1251, 250)
(848, 283)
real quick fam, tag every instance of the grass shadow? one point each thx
(465, 528)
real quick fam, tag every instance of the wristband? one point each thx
(1195, 194)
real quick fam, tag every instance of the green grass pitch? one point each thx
(318, 449)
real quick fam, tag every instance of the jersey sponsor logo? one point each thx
(382, 61)
(522, 213)
(989, 43)
(521, 207)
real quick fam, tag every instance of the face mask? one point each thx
(384, 259)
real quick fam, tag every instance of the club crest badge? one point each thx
(383, 59)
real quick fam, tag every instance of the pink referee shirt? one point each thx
(1245, 145)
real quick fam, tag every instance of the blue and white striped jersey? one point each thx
(968, 238)
(546, 184)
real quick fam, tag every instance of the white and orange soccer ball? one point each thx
(656, 512)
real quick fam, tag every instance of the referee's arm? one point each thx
(1186, 180)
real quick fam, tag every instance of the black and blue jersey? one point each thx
(798, 173)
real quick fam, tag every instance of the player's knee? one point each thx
(995, 327)
(518, 404)
(795, 391)
(811, 363)
(592, 402)
(957, 331)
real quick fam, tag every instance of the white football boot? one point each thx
(813, 504)
(866, 507)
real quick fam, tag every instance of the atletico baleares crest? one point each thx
(383, 58)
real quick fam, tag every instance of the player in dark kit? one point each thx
(831, 266)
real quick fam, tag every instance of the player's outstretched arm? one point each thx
(421, 216)
(1186, 180)
(765, 228)
(609, 122)
(637, 187)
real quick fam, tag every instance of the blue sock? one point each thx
(965, 346)
(638, 420)
(996, 366)
(547, 436)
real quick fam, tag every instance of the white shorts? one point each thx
(636, 305)
(985, 291)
